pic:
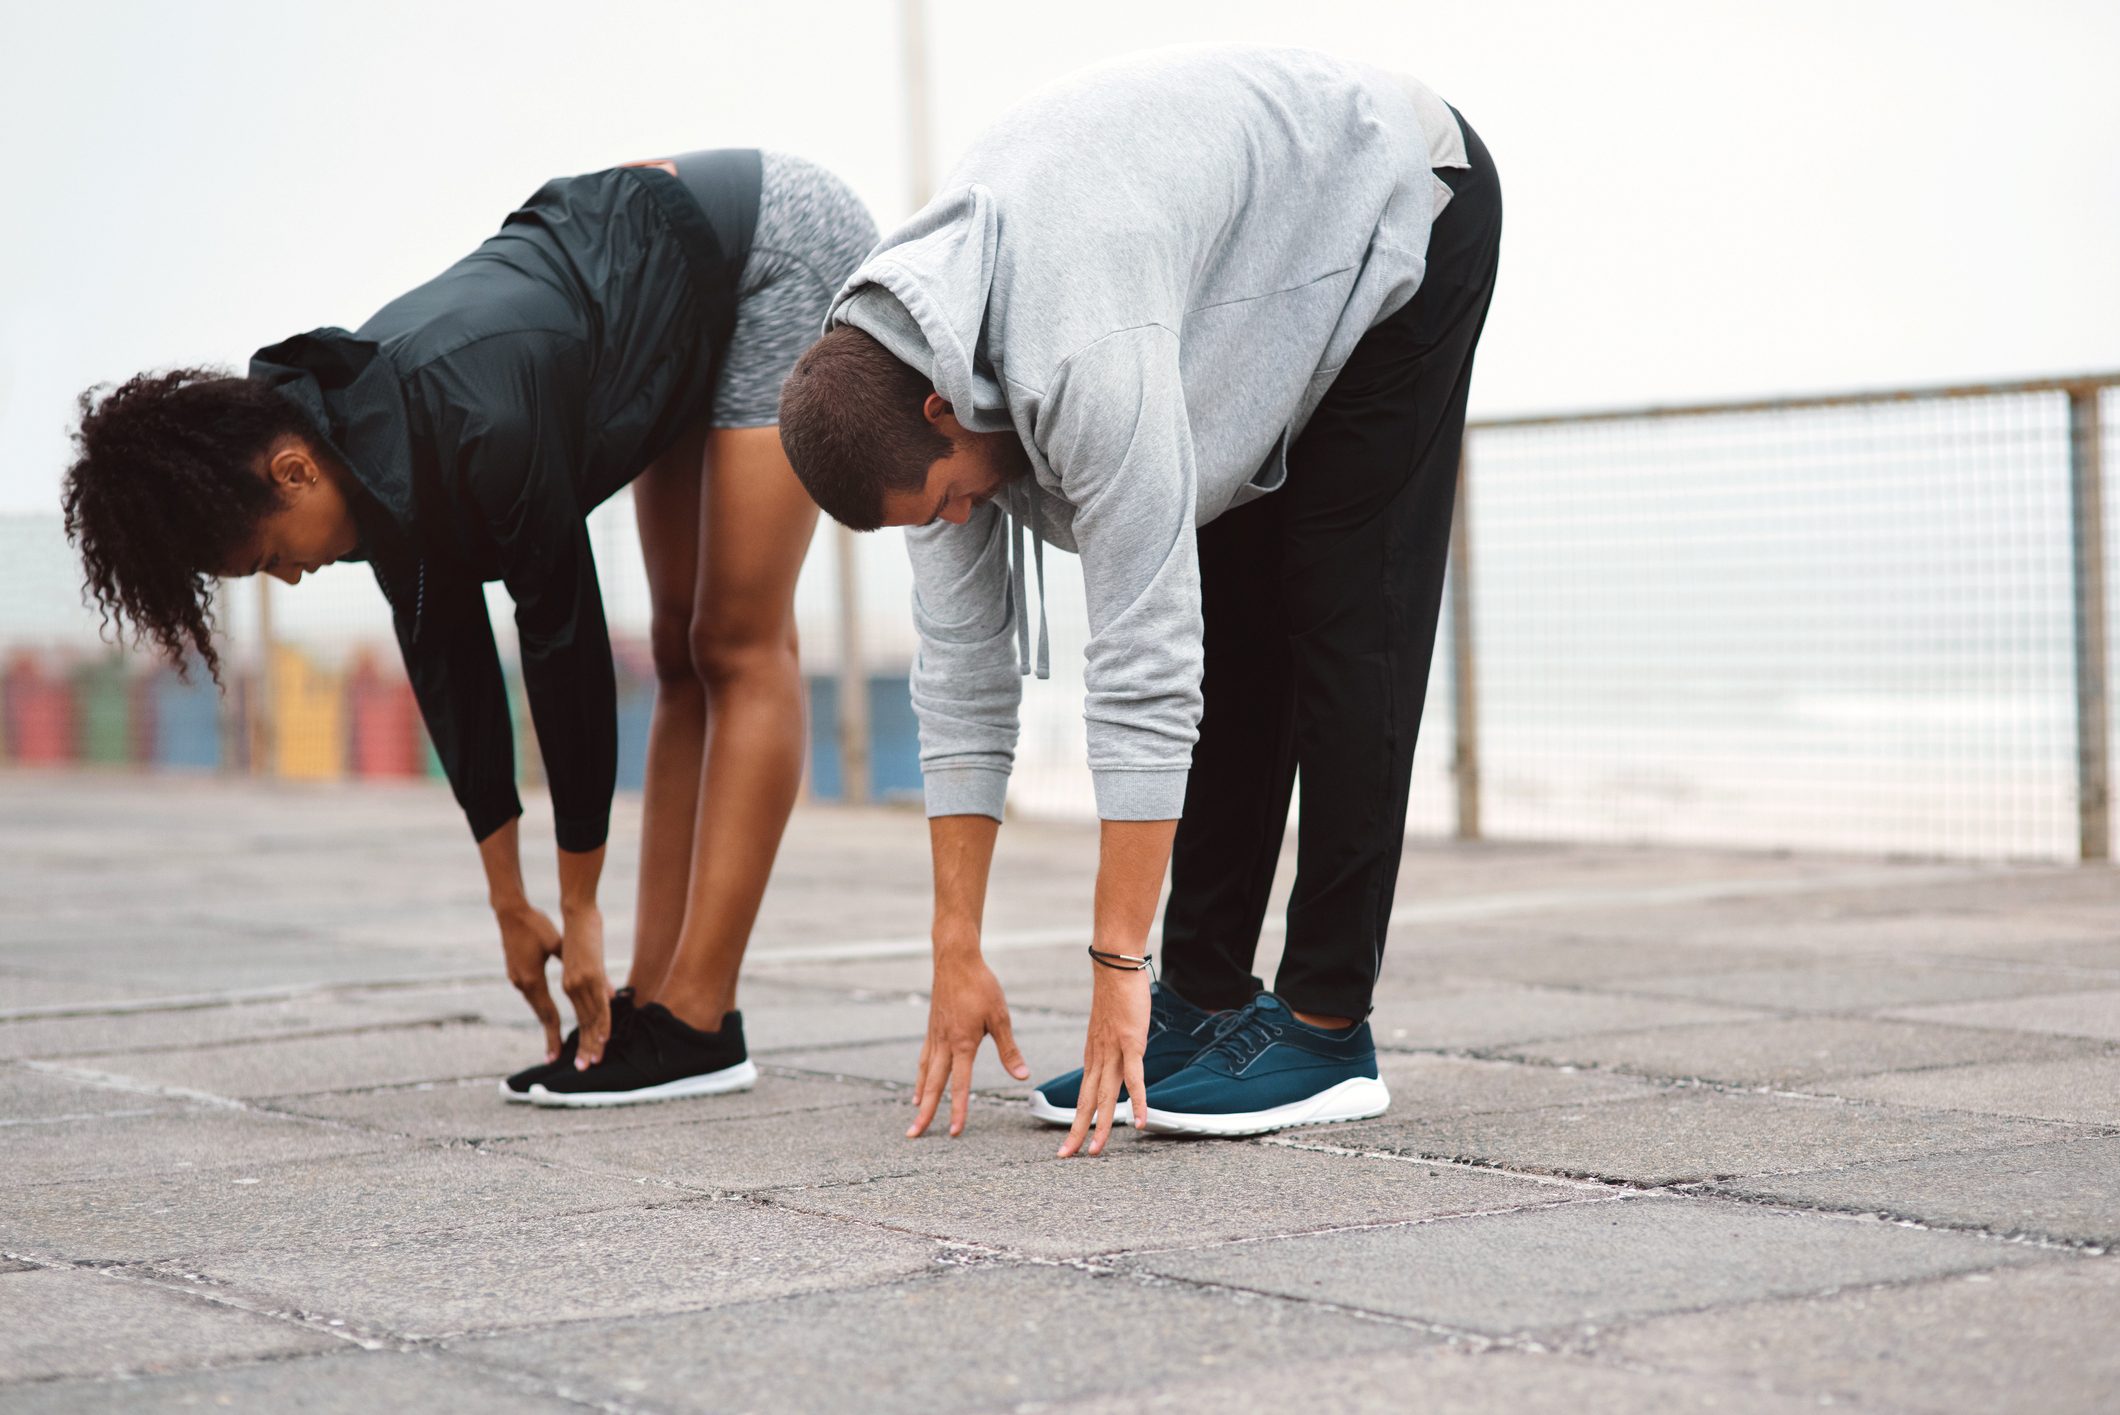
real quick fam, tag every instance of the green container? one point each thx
(103, 699)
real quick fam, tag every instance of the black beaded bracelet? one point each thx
(1120, 962)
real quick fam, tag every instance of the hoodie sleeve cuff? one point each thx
(1140, 795)
(965, 791)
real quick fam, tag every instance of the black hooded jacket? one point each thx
(485, 413)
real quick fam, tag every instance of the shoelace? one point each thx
(629, 1029)
(1242, 1038)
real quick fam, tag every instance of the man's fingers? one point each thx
(1137, 1089)
(1085, 1099)
(935, 1062)
(960, 1091)
(1107, 1103)
(1011, 1055)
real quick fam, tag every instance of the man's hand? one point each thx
(966, 1009)
(1111, 1055)
(581, 974)
(528, 939)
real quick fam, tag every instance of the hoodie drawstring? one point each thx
(1023, 624)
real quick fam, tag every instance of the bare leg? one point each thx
(758, 523)
(667, 501)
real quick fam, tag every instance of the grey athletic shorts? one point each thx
(812, 232)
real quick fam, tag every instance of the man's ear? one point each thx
(936, 408)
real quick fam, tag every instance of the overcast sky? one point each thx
(1703, 199)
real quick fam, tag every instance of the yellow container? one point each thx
(309, 711)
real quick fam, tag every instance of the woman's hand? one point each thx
(966, 1008)
(581, 975)
(528, 940)
(1111, 1054)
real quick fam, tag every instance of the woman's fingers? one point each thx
(538, 994)
(592, 1014)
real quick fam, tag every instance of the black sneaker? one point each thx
(517, 1087)
(654, 1057)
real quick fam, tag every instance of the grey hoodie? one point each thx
(1149, 272)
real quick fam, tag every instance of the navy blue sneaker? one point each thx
(1268, 1071)
(516, 1088)
(1176, 1032)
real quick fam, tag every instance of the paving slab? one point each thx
(474, 1111)
(298, 1066)
(84, 1037)
(1495, 1381)
(1510, 952)
(29, 1096)
(70, 1322)
(1591, 1263)
(1693, 1135)
(811, 1149)
(1792, 1053)
(231, 1208)
(170, 1140)
(1856, 985)
(1048, 1047)
(2083, 1088)
(361, 1383)
(1158, 1193)
(572, 1267)
(1476, 1016)
(2068, 1190)
(2034, 1338)
(1042, 1335)
(1428, 1087)
(2073, 1014)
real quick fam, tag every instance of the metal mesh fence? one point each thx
(1836, 624)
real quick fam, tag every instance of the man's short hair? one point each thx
(853, 424)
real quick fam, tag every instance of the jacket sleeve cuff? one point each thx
(580, 834)
(965, 791)
(1127, 795)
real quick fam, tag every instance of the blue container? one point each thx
(636, 704)
(894, 740)
(187, 721)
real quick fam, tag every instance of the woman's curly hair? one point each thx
(164, 488)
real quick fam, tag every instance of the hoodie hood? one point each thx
(925, 299)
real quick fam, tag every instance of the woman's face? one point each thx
(312, 527)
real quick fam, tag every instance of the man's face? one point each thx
(979, 465)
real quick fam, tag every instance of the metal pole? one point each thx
(853, 663)
(1464, 684)
(853, 676)
(264, 721)
(2087, 518)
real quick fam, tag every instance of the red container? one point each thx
(39, 713)
(385, 718)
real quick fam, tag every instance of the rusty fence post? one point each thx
(1464, 684)
(2093, 681)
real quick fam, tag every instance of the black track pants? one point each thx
(1320, 604)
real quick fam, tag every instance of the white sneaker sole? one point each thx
(740, 1077)
(512, 1097)
(1357, 1098)
(1045, 1110)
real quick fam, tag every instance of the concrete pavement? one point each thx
(1672, 1131)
